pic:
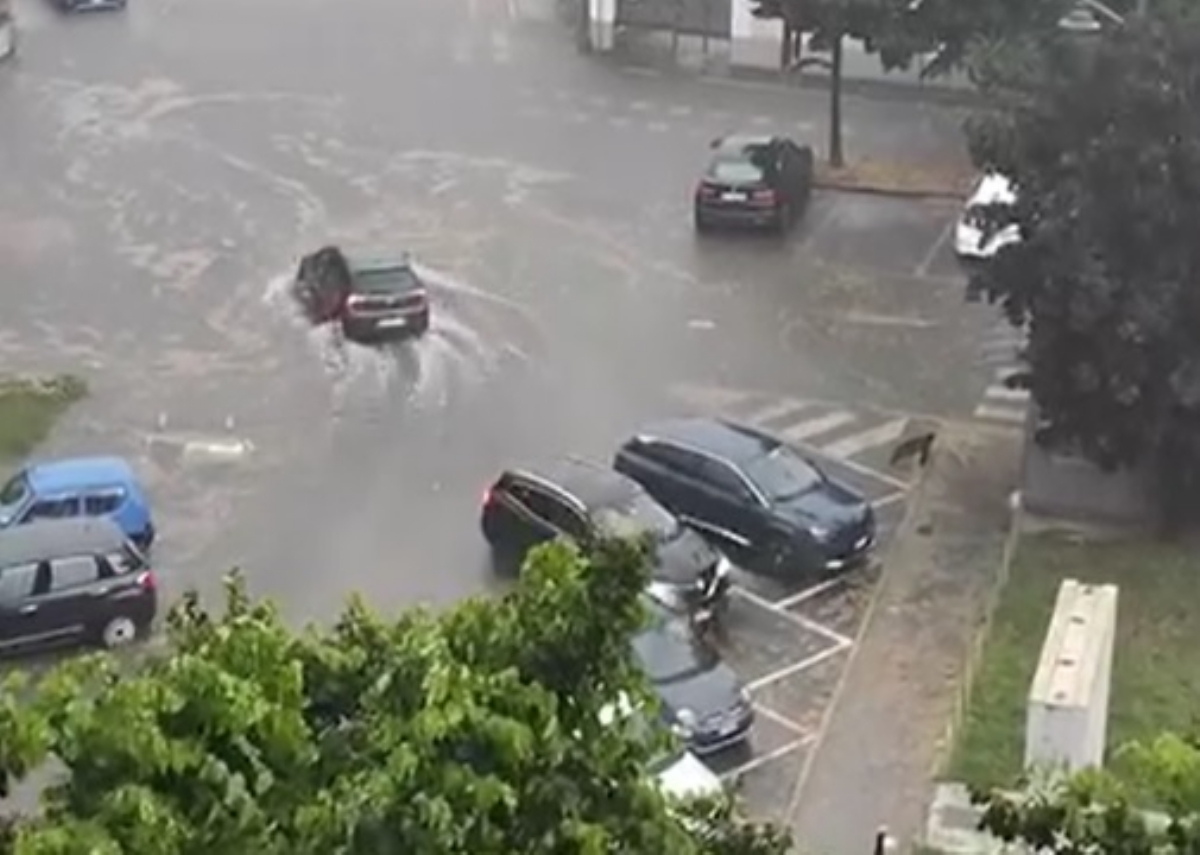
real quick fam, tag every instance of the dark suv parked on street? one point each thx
(753, 494)
(80, 580)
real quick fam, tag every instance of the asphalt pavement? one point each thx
(164, 169)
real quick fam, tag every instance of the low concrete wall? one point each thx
(1071, 488)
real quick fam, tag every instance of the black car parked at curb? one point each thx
(753, 494)
(89, 5)
(581, 501)
(756, 182)
(71, 581)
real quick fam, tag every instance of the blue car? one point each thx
(79, 486)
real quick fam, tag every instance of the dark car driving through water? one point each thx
(374, 298)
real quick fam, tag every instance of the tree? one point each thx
(1105, 158)
(474, 731)
(828, 23)
(1102, 813)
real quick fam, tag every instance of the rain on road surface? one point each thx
(165, 169)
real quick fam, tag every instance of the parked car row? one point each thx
(697, 488)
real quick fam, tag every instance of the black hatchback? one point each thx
(582, 501)
(753, 494)
(755, 181)
(64, 581)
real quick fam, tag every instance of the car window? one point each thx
(74, 571)
(53, 509)
(122, 561)
(783, 475)
(387, 280)
(102, 503)
(724, 478)
(665, 655)
(16, 583)
(15, 490)
(546, 508)
(638, 515)
(680, 459)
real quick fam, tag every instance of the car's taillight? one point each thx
(705, 191)
(487, 497)
(146, 580)
(763, 197)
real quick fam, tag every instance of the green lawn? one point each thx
(1156, 673)
(29, 409)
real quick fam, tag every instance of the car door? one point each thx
(686, 490)
(733, 506)
(19, 615)
(71, 598)
(529, 509)
(52, 508)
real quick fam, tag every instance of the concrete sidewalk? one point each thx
(883, 741)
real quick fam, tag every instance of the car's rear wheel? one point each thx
(120, 631)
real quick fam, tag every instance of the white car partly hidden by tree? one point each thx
(972, 243)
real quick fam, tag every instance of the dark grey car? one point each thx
(701, 699)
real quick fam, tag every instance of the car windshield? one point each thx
(387, 280)
(14, 492)
(664, 654)
(783, 475)
(638, 515)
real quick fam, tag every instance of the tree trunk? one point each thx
(836, 159)
(583, 28)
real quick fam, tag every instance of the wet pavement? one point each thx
(166, 168)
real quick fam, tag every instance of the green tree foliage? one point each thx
(1098, 813)
(474, 731)
(1105, 156)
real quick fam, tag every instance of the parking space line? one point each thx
(890, 499)
(764, 759)
(797, 667)
(782, 720)
(798, 620)
(808, 593)
(922, 269)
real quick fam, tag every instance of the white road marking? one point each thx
(797, 667)
(857, 443)
(680, 110)
(892, 499)
(794, 726)
(922, 269)
(815, 427)
(761, 121)
(808, 593)
(997, 414)
(763, 759)
(501, 52)
(771, 412)
(799, 620)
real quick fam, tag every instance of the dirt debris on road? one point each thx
(873, 765)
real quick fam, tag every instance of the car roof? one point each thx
(993, 189)
(594, 485)
(717, 437)
(364, 261)
(38, 541)
(736, 143)
(73, 473)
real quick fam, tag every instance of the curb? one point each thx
(908, 525)
(875, 90)
(962, 698)
(889, 192)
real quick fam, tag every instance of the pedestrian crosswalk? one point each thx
(1001, 354)
(862, 437)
